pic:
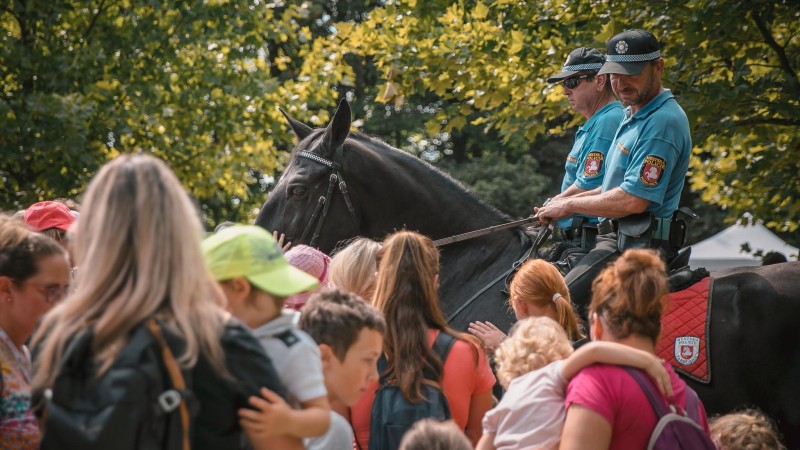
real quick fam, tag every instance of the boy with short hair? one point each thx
(250, 267)
(349, 332)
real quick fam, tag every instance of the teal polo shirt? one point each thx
(586, 160)
(650, 154)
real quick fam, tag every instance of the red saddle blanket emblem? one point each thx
(684, 340)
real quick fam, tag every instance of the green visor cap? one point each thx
(251, 252)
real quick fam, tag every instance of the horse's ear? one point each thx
(300, 129)
(338, 129)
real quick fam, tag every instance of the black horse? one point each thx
(755, 357)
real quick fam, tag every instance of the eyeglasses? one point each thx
(52, 292)
(572, 83)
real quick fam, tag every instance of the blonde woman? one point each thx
(534, 366)
(34, 276)
(138, 244)
(354, 267)
(406, 294)
(537, 290)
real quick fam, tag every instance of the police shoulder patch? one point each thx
(593, 165)
(652, 170)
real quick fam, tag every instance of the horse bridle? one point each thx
(324, 201)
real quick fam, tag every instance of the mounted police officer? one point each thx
(589, 94)
(647, 162)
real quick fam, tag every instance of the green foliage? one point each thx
(513, 187)
(196, 83)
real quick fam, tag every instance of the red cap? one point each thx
(45, 215)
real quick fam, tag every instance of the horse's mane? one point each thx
(453, 186)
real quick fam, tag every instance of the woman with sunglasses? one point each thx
(34, 275)
(590, 95)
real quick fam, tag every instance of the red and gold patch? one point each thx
(652, 170)
(593, 164)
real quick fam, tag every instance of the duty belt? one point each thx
(661, 232)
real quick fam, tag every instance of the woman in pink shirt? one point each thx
(406, 293)
(606, 408)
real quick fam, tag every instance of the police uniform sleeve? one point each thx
(650, 168)
(661, 148)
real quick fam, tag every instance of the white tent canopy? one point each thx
(724, 249)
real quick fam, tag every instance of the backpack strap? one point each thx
(692, 405)
(176, 377)
(659, 405)
(441, 346)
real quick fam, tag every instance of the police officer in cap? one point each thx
(589, 94)
(646, 167)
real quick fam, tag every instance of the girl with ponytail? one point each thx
(406, 294)
(537, 290)
(606, 408)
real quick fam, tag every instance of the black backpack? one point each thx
(392, 415)
(676, 429)
(140, 402)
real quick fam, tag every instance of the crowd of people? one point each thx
(144, 332)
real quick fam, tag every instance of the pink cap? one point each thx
(312, 262)
(45, 215)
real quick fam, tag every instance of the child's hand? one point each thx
(655, 368)
(270, 416)
(490, 335)
(284, 247)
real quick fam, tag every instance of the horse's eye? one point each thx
(297, 191)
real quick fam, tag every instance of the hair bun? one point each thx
(633, 262)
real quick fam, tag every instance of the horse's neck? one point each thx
(485, 257)
(417, 197)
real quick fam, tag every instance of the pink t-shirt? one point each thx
(613, 393)
(531, 413)
(463, 378)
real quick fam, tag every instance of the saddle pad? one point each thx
(684, 340)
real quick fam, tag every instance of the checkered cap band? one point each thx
(633, 58)
(579, 67)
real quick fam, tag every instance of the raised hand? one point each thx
(488, 333)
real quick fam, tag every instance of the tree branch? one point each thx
(779, 51)
(768, 121)
(94, 21)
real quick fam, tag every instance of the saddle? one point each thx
(685, 339)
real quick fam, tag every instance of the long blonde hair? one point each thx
(406, 294)
(138, 247)
(353, 268)
(540, 284)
